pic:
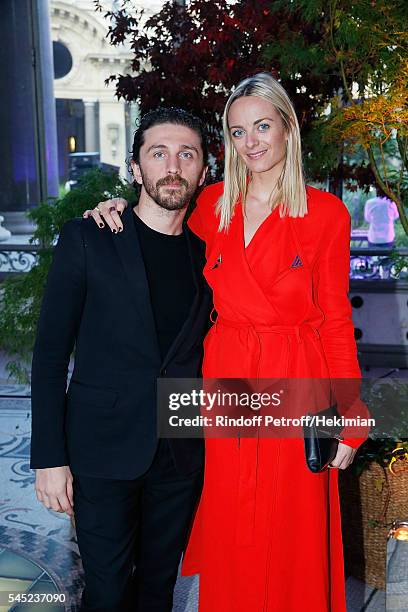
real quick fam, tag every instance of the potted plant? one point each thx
(374, 489)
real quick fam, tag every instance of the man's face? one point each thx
(171, 165)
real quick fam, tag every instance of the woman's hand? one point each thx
(108, 211)
(344, 456)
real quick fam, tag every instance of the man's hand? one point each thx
(110, 211)
(53, 487)
(344, 456)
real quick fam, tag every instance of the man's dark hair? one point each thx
(176, 116)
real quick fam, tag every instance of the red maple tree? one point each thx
(192, 57)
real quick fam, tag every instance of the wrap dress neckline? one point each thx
(235, 263)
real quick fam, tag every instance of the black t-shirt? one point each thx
(170, 278)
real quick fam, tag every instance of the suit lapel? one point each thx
(128, 247)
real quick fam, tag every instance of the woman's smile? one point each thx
(257, 154)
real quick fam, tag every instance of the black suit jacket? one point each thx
(97, 298)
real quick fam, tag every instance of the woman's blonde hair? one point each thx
(290, 191)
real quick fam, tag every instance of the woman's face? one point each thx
(258, 133)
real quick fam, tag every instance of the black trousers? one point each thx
(131, 534)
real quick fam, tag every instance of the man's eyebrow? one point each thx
(255, 123)
(163, 146)
(157, 146)
(191, 147)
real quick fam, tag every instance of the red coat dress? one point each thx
(263, 537)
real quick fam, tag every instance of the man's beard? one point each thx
(172, 199)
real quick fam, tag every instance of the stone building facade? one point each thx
(89, 116)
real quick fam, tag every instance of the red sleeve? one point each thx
(331, 277)
(203, 220)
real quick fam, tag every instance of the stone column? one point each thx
(91, 127)
(113, 133)
(28, 152)
(132, 116)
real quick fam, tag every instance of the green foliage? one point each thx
(387, 405)
(93, 187)
(361, 40)
(21, 295)
(357, 50)
(401, 238)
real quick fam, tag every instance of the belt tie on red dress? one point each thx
(299, 332)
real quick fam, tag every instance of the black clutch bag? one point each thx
(321, 441)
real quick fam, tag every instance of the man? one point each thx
(95, 449)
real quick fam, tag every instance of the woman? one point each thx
(267, 536)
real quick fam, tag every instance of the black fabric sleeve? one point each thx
(58, 324)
